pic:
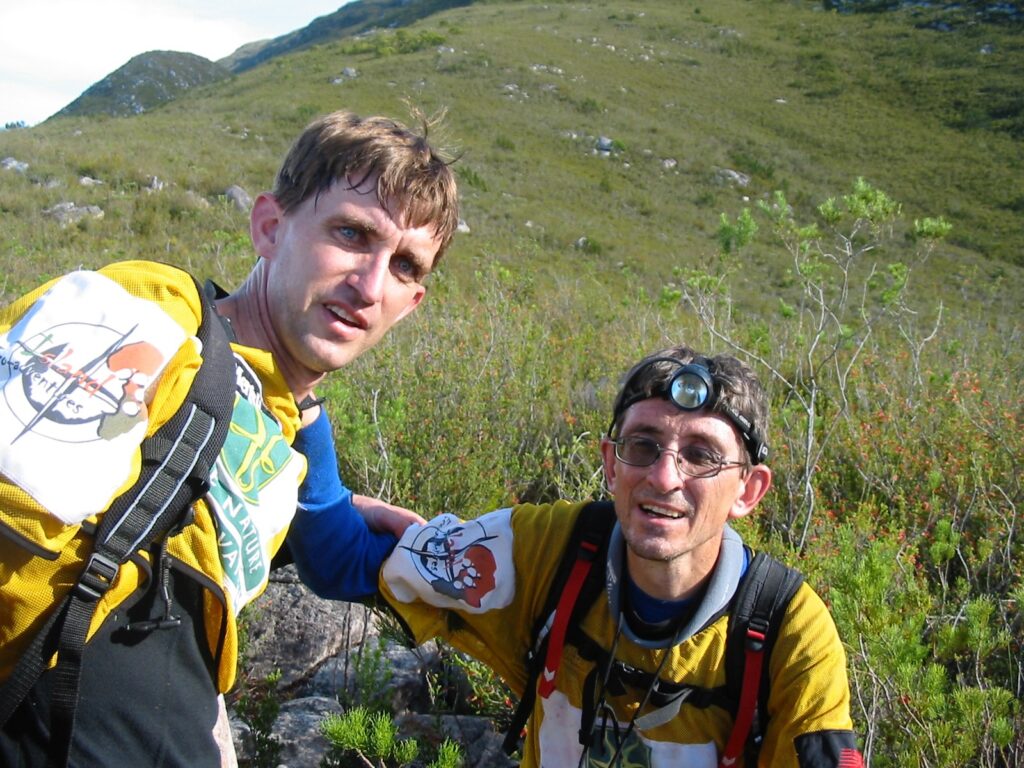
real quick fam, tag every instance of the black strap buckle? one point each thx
(757, 633)
(97, 578)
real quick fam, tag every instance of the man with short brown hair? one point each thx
(362, 210)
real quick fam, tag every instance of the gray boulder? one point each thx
(239, 198)
(68, 213)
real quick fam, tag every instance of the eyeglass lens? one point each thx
(693, 460)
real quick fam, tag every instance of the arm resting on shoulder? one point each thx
(336, 553)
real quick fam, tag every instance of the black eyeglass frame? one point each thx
(694, 377)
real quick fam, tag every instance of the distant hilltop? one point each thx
(157, 77)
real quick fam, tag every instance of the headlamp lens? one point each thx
(689, 390)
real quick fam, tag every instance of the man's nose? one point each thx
(665, 473)
(370, 276)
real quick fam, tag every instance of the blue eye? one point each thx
(407, 268)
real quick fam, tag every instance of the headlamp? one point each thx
(692, 388)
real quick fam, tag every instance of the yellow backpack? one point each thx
(176, 464)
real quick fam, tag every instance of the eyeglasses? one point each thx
(693, 460)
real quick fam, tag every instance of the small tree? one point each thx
(845, 294)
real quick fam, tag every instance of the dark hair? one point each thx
(738, 389)
(343, 146)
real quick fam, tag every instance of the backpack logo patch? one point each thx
(76, 374)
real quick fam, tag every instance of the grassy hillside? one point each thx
(897, 434)
(796, 98)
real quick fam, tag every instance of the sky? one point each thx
(52, 50)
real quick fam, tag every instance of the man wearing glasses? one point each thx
(639, 677)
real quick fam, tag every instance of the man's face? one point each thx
(669, 518)
(341, 271)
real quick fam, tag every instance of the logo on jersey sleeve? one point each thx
(459, 564)
(76, 375)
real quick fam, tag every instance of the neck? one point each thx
(680, 578)
(249, 314)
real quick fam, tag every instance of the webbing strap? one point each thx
(584, 560)
(30, 666)
(757, 615)
(153, 512)
(590, 531)
(146, 514)
(754, 656)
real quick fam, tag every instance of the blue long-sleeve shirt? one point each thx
(336, 554)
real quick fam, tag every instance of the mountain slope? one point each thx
(146, 81)
(349, 20)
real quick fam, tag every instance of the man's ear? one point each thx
(752, 489)
(608, 457)
(264, 224)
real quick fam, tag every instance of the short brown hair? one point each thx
(738, 388)
(412, 174)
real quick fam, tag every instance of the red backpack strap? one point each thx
(753, 660)
(575, 586)
(756, 616)
(585, 554)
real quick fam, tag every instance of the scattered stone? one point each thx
(549, 69)
(729, 176)
(10, 164)
(480, 744)
(404, 667)
(89, 181)
(463, 227)
(196, 199)
(348, 73)
(604, 145)
(296, 632)
(298, 729)
(669, 163)
(239, 198)
(68, 213)
(316, 643)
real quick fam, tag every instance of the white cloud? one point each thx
(51, 51)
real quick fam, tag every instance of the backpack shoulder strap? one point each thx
(575, 587)
(758, 610)
(176, 465)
